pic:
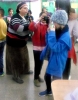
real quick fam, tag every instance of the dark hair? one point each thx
(63, 4)
(46, 18)
(2, 12)
(72, 10)
(29, 11)
(10, 9)
(41, 14)
(43, 9)
(19, 6)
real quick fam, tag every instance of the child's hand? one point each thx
(51, 27)
(39, 19)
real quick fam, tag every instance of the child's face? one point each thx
(57, 26)
(72, 16)
(11, 12)
(45, 10)
(43, 15)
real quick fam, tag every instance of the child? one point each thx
(29, 16)
(3, 32)
(10, 14)
(60, 43)
(73, 29)
(38, 39)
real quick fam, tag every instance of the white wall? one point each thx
(36, 9)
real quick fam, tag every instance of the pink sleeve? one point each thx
(75, 30)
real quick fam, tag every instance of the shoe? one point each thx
(45, 93)
(40, 79)
(37, 83)
(18, 80)
(70, 77)
(2, 74)
(30, 72)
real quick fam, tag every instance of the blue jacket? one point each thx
(59, 53)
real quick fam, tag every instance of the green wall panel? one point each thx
(6, 5)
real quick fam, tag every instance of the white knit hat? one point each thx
(60, 17)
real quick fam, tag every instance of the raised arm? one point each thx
(75, 30)
(56, 46)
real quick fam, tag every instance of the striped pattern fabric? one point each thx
(16, 27)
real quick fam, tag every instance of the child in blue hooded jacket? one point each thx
(59, 42)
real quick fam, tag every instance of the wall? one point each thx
(34, 6)
(6, 5)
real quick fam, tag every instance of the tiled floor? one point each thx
(9, 90)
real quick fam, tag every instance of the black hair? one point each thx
(63, 4)
(19, 5)
(2, 12)
(46, 18)
(29, 11)
(41, 14)
(72, 10)
(10, 9)
(43, 9)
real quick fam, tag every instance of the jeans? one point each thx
(2, 44)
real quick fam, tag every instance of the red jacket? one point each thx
(39, 30)
(72, 53)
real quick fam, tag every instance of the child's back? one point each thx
(3, 32)
(3, 29)
(73, 27)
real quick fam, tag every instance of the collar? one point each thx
(65, 29)
(43, 23)
(60, 32)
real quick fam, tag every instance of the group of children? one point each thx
(60, 43)
(58, 40)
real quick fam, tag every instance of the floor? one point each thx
(9, 90)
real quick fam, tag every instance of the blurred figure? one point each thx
(8, 18)
(17, 57)
(73, 28)
(44, 10)
(38, 39)
(29, 16)
(3, 32)
(72, 11)
(65, 5)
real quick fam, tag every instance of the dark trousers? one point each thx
(48, 80)
(17, 61)
(2, 44)
(38, 64)
(67, 69)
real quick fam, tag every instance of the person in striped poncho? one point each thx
(17, 58)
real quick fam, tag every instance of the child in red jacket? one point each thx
(38, 40)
